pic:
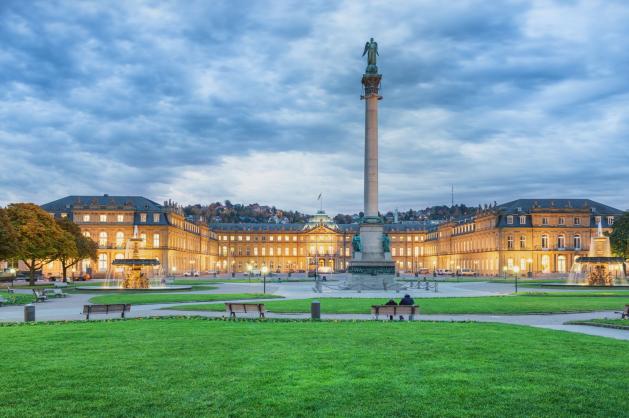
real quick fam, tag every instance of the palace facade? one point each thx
(526, 235)
(179, 243)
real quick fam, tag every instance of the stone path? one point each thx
(70, 308)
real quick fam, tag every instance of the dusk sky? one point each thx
(259, 101)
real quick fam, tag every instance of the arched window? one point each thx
(561, 264)
(102, 262)
(561, 241)
(119, 239)
(546, 264)
(577, 242)
(102, 239)
(544, 241)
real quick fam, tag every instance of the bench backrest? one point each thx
(394, 309)
(244, 307)
(115, 307)
(627, 309)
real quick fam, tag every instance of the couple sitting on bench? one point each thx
(407, 300)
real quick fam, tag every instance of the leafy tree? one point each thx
(38, 237)
(75, 247)
(8, 238)
(619, 237)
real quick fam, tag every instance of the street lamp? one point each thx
(530, 263)
(191, 268)
(264, 271)
(516, 270)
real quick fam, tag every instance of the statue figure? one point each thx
(386, 244)
(357, 244)
(371, 49)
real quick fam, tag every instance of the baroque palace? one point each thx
(534, 235)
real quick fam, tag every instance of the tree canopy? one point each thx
(8, 239)
(619, 237)
(76, 247)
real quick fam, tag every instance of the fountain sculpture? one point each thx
(598, 268)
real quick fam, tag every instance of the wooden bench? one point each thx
(233, 308)
(106, 309)
(39, 296)
(394, 310)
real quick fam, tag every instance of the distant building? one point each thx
(536, 235)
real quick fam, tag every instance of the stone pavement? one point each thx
(70, 308)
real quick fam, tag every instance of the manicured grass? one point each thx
(16, 298)
(190, 367)
(149, 298)
(524, 304)
(194, 282)
(606, 323)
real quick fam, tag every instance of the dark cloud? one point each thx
(203, 101)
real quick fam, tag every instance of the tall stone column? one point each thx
(371, 85)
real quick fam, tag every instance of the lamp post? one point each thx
(191, 268)
(516, 270)
(264, 271)
(530, 263)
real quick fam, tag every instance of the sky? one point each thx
(259, 101)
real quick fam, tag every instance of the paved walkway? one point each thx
(70, 308)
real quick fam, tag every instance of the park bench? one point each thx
(58, 293)
(233, 308)
(394, 310)
(106, 309)
(39, 296)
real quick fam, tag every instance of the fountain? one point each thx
(135, 273)
(598, 268)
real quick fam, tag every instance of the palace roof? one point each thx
(104, 202)
(566, 205)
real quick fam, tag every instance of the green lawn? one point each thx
(522, 304)
(16, 298)
(607, 323)
(192, 367)
(194, 282)
(148, 298)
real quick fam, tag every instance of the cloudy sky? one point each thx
(259, 101)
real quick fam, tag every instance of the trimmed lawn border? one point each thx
(599, 323)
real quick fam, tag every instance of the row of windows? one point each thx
(561, 241)
(103, 239)
(222, 251)
(104, 218)
(576, 221)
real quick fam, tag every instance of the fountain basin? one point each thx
(167, 288)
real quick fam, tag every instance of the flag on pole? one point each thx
(319, 198)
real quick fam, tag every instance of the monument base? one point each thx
(371, 274)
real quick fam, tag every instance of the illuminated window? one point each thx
(522, 220)
(522, 241)
(143, 238)
(103, 218)
(561, 241)
(155, 240)
(510, 242)
(119, 239)
(610, 220)
(510, 220)
(597, 220)
(577, 242)
(545, 241)
(156, 218)
(102, 239)
(294, 251)
(87, 234)
(271, 251)
(86, 218)
(120, 218)
(64, 215)
(143, 217)
(102, 262)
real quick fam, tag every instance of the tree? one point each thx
(75, 248)
(619, 237)
(38, 237)
(8, 238)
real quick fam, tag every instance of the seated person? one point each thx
(391, 302)
(407, 300)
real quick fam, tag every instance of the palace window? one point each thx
(522, 242)
(544, 221)
(597, 220)
(294, 251)
(86, 218)
(155, 240)
(561, 242)
(610, 220)
(119, 218)
(271, 238)
(103, 218)
(577, 242)
(102, 239)
(562, 220)
(247, 238)
(119, 239)
(522, 220)
(401, 251)
(393, 252)
(143, 217)
(544, 241)
(577, 221)
(102, 262)
(255, 251)
(64, 215)
(263, 251)
(156, 218)
(239, 237)
(510, 220)
(143, 238)
(87, 234)
(510, 242)
(271, 251)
